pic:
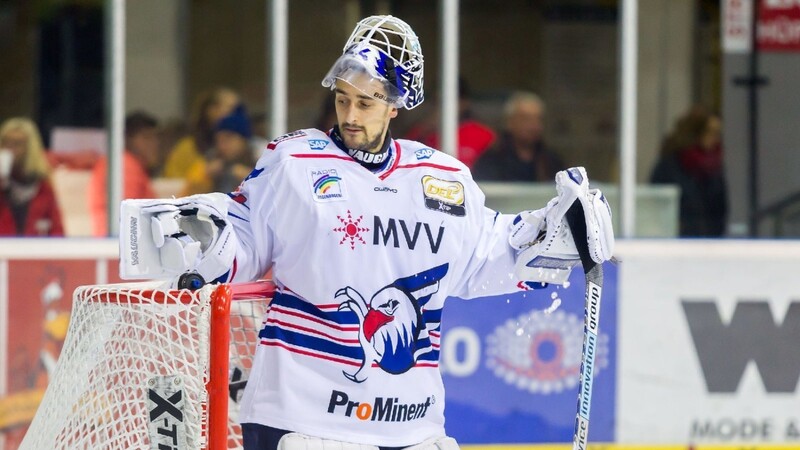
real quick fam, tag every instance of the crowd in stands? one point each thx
(28, 205)
(219, 149)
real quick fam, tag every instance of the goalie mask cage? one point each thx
(145, 368)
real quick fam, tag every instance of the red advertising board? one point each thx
(779, 25)
(39, 301)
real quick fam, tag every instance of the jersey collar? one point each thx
(374, 162)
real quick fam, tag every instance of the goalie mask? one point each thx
(383, 59)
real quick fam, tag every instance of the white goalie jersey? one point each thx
(363, 261)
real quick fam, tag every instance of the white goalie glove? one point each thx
(179, 239)
(547, 251)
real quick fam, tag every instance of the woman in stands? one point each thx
(28, 205)
(207, 110)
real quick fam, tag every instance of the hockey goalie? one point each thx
(365, 236)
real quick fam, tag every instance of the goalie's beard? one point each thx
(371, 160)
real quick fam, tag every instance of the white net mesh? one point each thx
(134, 367)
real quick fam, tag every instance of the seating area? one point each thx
(73, 154)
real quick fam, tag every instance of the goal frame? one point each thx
(219, 304)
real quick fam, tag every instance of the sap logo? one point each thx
(317, 144)
(724, 350)
(424, 153)
(384, 234)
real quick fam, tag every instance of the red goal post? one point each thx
(146, 367)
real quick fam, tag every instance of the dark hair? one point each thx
(688, 129)
(138, 121)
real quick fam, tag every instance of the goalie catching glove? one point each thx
(547, 251)
(177, 238)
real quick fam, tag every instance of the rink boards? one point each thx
(698, 344)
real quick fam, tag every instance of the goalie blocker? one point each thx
(187, 239)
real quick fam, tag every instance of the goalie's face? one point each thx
(363, 120)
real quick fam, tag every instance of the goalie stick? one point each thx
(593, 273)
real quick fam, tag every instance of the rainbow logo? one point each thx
(326, 185)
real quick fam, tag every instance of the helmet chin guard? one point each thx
(383, 59)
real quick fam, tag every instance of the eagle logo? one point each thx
(391, 321)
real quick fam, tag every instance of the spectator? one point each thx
(140, 156)
(520, 154)
(474, 137)
(208, 109)
(232, 158)
(691, 157)
(28, 205)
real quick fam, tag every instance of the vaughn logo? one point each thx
(725, 349)
(367, 157)
(383, 409)
(134, 241)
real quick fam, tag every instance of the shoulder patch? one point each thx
(317, 144)
(444, 196)
(285, 137)
(424, 153)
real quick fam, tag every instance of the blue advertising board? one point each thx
(511, 363)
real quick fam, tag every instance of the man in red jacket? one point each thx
(141, 155)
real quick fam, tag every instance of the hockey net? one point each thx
(143, 367)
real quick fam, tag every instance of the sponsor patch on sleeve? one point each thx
(317, 144)
(444, 196)
(285, 137)
(424, 153)
(326, 185)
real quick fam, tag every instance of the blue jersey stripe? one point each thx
(311, 342)
(345, 317)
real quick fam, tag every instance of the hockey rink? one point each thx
(695, 347)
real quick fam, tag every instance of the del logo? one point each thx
(541, 353)
(317, 144)
(326, 185)
(445, 196)
(390, 323)
(423, 153)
